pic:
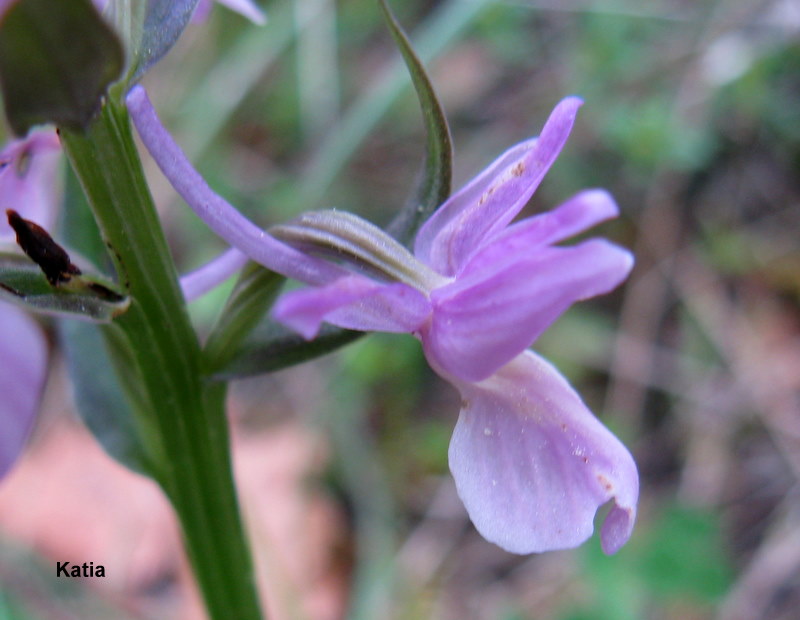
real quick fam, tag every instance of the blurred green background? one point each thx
(692, 121)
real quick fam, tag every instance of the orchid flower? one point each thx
(530, 461)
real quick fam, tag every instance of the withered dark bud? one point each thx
(37, 243)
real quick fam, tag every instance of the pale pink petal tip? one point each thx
(617, 528)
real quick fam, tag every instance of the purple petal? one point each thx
(23, 360)
(491, 200)
(213, 273)
(215, 211)
(354, 302)
(481, 322)
(28, 179)
(532, 464)
(574, 216)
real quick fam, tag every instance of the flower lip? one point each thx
(532, 464)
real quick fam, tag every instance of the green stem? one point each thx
(184, 428)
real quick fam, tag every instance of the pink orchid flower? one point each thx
(530, 461)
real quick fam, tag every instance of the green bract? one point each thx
(84, 297)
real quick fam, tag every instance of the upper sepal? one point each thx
(517, 284)
(489, 202)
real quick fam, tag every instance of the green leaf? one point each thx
(57, 60)
(100, 399)
(273, 347)
(85, 297)
(252, 296)
(438, 175)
